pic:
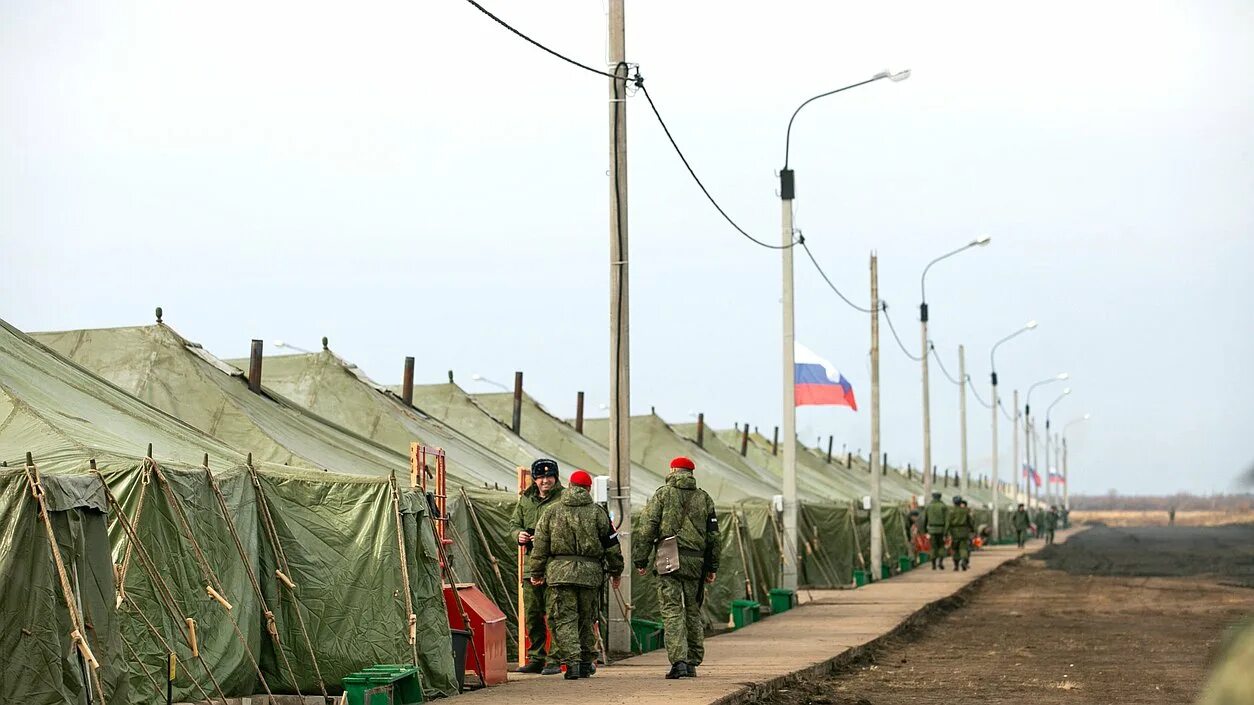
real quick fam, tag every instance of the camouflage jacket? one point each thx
(575, 543)
(527, 513)
(1051, 521)
(958, 523)
(1021, 520)
(679, 508)
(935, 515)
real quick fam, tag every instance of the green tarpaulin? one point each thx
(336, 534)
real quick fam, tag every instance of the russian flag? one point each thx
(817, 383)
(1029, 471)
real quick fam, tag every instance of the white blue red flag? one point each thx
(818, 383)
(1029, 471)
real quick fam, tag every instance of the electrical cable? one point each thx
(639, 81)
(802, 241)
(891, 327)
(538, 45)
(932, 347)
(976, 393)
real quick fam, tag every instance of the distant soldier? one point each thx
(679, 515)
(1021, 521)
(1051, 524)
(934, 516)
(1171, 515)
(575, 547)
(543, 493)
(959, 525)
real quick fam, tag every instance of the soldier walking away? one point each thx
(575, 547)
(959, 525)
(934, 516)
(679, 522)
(546, 488)
(1171, 515)
(1051, 524)
(1021, 521)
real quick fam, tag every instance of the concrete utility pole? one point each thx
(787, 191)
(923, 353)
(1016, 469)
(992, 365)
(962, 419)
(877, 527)
(620, 338)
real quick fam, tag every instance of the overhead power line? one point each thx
(538, 45)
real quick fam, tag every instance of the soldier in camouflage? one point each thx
(1021, 522)
(546, 488)
(679, 508)
(1051, 524)
(959, 525)
(934, 518)
(575, 545)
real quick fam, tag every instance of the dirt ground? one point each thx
(1159, 517)
(1035, 634)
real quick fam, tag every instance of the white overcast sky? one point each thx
(409, 178)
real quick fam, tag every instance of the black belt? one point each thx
(692, 553)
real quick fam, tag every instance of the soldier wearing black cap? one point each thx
(543, 493)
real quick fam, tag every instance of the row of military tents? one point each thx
(152, 503)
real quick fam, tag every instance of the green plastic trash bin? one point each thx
(885, 571)
(859, 578)
(782, 600)
(904, 563)
(384, 684)
(924, 557)
(646, 635)
(745, 612)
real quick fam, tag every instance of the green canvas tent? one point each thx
(173, 530)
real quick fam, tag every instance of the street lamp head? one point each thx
(1031, 325)
(278, 343)
(981, 241)
(477, 377)
(1087, 417)
(899, 76)
(1064, 376)
(1066, 391)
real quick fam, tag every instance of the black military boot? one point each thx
(587, 669)
(572, 671)
(679, 669)
(552, 669)
(692, 671)
(532, 666)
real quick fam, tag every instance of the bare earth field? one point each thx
(1125, 517)
(1093, 620)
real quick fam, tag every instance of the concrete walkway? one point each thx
(830, 625)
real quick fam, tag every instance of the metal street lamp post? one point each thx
(787, 191)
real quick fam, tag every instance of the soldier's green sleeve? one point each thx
(948, 523)
(540, 547)
(613, 551)
(712, 543)
(646, 535)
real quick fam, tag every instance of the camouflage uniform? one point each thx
(575, 546)
(1051, 524)
(934, 516)
(959, 525)
(1021, 522)
(526, 517)
(679, 508)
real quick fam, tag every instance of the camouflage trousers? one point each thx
(960, 547)
(572, 612)
(535, 605)
(682, 622)
(938, 546)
